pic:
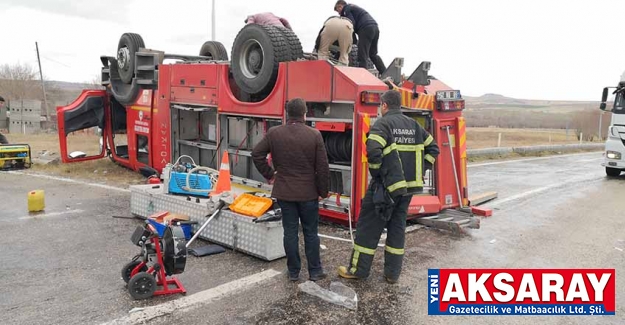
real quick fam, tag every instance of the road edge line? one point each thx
(528, 159)
(69, 180)
(196, 299)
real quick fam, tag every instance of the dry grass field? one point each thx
(488, 137)
(105, 171)
(101, 170)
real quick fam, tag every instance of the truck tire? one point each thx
(353, 56)
(612, 172)
(214, 50)
(125, 94)
(256, 54)
(128, 45)
(293, 42)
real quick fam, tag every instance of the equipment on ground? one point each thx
(614, 155)
(160, 258)
(36, 201)
(212, 109)
(15, 156)
(183, 179)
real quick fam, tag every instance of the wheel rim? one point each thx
(143, 286)
(123, 57)
(251, 59)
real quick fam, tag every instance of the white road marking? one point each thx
(51, 214)
(541, 189)
(195, 300)
(334, 238)
(528, 159)
(63, 179)
(348, 240)
(589, 160)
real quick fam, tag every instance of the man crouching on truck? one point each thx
(300, 179)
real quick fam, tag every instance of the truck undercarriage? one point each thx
(204, 106)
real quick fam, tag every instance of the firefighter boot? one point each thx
(344, 273)
(390, 280)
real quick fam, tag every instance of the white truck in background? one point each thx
(614, 155)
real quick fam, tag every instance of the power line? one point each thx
(55, 61)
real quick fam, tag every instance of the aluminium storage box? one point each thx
(235, 231)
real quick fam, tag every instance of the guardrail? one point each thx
(485, 152)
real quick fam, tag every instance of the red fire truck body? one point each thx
(195, 108)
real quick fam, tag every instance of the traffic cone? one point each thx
(223, 180)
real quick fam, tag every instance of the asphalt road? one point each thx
(64, 266)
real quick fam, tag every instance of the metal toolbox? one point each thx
(230, 229)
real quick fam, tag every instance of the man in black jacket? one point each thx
(3, 139)
(368, 33)
(398, 149)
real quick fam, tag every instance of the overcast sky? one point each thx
(546, 49)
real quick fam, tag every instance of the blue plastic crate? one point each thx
(196, 181)
(160, 228)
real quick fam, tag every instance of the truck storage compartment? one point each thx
(194, 132)
(240, 135)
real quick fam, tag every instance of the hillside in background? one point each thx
(496, 101)
(498, 111)
(69, 86)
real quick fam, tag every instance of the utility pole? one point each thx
(43, 86)
(213, 22)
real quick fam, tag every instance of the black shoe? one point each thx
(317, 277)
(294, 277)
(390, 280)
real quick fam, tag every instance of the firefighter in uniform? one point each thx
(398, 151)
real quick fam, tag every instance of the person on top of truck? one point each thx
(336, 29)
(267, 18)
(3, 139)
(368, 33)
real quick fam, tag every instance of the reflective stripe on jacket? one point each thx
(397, 147)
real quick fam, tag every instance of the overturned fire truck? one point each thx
(202, 106)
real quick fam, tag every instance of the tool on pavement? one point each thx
(160, 257)
(206, 250)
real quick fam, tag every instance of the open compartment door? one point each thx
(76, 122)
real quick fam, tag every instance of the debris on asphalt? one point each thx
(493, 241)
(324, 247)
(45, 157)
(124, 217)
(339, 294)
(619, 245)
(136, 309)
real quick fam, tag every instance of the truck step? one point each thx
(452, 220)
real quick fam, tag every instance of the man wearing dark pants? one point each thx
(398, 149)
(300, 177)
(368, 33)
(3, 139)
